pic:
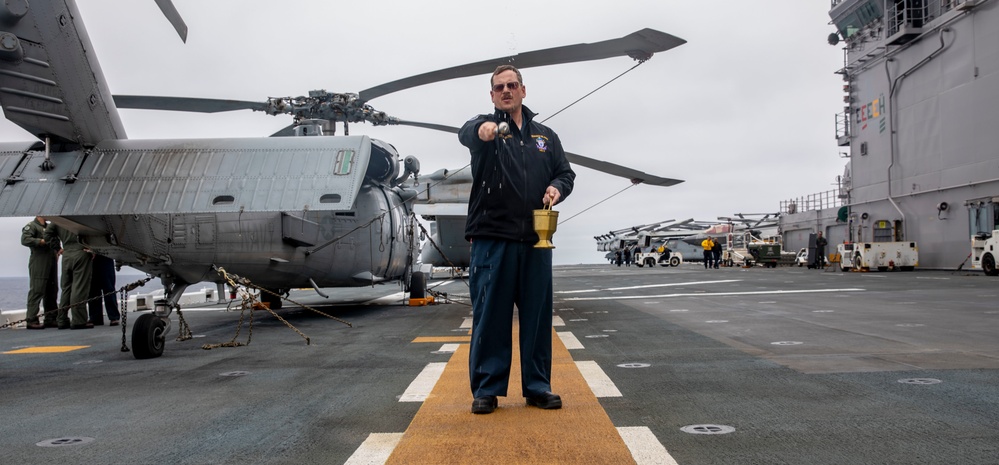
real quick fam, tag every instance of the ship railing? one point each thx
(817, 201)
(901, 14)
(905, 13)
(843, 128)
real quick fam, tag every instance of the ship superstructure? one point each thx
(921, 126)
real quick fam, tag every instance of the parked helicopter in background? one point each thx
(648, 234)
(646, 238)
(686, 236)
(758, 224)
(285, 212)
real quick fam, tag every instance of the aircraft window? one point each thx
(224, 200)
(344, 162)
(330, 198)
(343, 214)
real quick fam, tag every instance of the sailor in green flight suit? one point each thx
(42, 274)
(77, 267)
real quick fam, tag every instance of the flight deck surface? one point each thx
(666, 365)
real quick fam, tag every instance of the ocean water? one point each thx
(14, 291)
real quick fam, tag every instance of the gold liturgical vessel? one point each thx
(545, 222)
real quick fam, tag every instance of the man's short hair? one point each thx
(502, 68)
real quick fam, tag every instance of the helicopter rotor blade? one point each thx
(640, 45)
(170, 11)
(631, 174)
(437, 127)
(636, 177)
(199, 105)
(350, 107)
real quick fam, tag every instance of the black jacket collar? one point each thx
(504, 116)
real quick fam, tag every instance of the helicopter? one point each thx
(303, 208)
(647, 234)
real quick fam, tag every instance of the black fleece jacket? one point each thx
(510, 176)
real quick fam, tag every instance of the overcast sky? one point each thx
(743, 112)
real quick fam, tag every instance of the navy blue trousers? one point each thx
(101, 281)
(504, 274)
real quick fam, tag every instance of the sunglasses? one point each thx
(510, 85)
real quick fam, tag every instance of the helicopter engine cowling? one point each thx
(383, 168)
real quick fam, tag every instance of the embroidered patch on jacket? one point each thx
(542, 142)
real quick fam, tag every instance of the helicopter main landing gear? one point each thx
(148, 336)
(150, 329)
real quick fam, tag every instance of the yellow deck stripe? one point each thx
(443, 339)
(445, 431)
(46, 350)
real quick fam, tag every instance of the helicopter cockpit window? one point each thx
(344, 162)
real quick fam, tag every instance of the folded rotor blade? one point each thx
(640, 45)
(617, 170)
(633, 175)
(438, 127)
(166, 6)
(200, 105)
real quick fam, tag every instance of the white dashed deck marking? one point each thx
(420, 388)
(644, 446)
(449, 348)
(707, 294)
(628, 288)
(376, 449)
(599, 382)
(569, 340)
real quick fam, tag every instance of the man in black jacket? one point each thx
(518, 165)
(820, 251)
(716, 253)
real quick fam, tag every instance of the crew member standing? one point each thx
(76, 271)
(716, 253)
(820, 251)
(515, 172)
(42, 274)
(102, 282)
(708, 244)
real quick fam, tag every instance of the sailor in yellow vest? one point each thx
(708, 244)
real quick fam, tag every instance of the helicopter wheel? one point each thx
(418, 285)
(148, 338)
